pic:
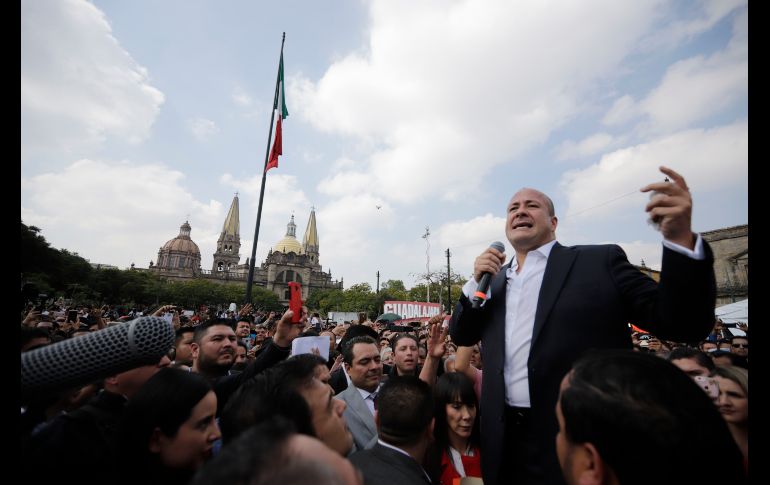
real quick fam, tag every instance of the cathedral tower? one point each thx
(229, 243)
(310, 241)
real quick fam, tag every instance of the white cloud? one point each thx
(117, 213)
(588, 146)
(348, 231)
(702, 18)
(692, 89)
(467, 239)
(78, 85)
(709, 160)
(696, 88)
(202, 128)
(481, 102)
(624, 109)
(242, 98)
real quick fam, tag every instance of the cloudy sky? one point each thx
(404, 114)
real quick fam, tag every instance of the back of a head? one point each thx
(638, 409)
(689, 353)
(356, 331)
(404, 410)
(262, 455)
(275, 392)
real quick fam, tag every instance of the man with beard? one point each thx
(213, 348)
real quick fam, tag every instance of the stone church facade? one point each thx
(287, 261)
(731, 262)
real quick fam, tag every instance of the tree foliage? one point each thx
(60, 273)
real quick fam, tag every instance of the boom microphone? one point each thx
(481, 292)
(79, 361)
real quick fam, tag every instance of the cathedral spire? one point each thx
(310, 241)
(227, 254)
(232, 225)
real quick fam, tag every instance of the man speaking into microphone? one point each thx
(552, 302)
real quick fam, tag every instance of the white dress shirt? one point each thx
(521, 298)
(368, 398)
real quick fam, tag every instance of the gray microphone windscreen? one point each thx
(498, 245)
(81, 360)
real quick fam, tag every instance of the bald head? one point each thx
(530, 221)
(547, 200)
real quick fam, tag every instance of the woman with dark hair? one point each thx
(169, 428)
(456, 431)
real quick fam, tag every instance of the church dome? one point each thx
(182, 243)
(289, 243)
(182, 246)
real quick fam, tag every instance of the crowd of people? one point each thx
(545, 382)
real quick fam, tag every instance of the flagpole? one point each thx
(250, 281)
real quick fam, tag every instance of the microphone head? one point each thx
(498, 245)
(110, 351)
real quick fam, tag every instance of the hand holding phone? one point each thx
(295, 301)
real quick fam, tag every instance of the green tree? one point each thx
(395, 290)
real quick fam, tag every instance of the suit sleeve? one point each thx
(681, 306)
(467, 323)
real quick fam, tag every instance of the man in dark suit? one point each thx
(405, 425)
(551, 303)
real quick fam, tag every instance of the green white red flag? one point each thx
(278, 104)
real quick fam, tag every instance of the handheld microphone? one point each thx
(481, 292)
(81, 360)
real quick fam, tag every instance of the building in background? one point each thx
(288, 260)
(731, 262)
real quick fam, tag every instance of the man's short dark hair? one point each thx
(347, 350)
(273, 393)
(637, 408)
(405, 410)
(394, 339)
(698, 356)
(252, 458)
(180, 333)
(202, 329)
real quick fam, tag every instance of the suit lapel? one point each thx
(498, 282)
(556, 270)
(356, 402)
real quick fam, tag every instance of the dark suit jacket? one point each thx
(383, 466)
(588, 295)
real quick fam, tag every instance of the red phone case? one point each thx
(295, 301)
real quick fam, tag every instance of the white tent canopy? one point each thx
(734, 312)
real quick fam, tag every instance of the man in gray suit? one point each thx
(362, 362)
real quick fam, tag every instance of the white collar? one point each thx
(545, 250)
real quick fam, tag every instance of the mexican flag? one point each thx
(278, 104)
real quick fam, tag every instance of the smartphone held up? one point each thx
(295, 301)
